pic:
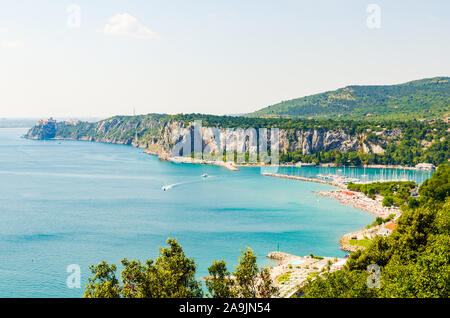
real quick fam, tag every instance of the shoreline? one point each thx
(236, 166)
(355, 199)
(293, 271)
(362, 202)
(223, 164)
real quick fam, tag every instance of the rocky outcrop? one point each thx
(44, 129)
(317, 140)
(170, 138)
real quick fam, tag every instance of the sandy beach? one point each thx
(227, 165)
(362, 202)
(353, 198)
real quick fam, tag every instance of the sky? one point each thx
(108, 57)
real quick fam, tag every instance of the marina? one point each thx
(344, 175)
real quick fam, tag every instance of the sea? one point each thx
(71, 204)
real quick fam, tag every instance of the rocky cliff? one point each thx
(160, 135)
(44, 129)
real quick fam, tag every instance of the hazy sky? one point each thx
(219, 57)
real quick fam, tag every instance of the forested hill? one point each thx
(421, 99)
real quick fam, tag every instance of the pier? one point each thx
(284, 176)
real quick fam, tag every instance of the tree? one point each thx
(414, 260)
(172, 275)
(437, 188)
(266, 289)
(104, 283)
(388, 201)
(220, 284)
(247, 280)
(245, 274)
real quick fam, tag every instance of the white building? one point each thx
(425, 166)
(384, 231)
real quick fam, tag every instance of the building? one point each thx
(390, 226)
(425, 166)
(72, 123)
(45, 122)
(384, 232)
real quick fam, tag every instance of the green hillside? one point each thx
(426, 98)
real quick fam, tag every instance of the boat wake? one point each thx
(171, 186)
(168, 187)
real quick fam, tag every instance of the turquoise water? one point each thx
(67, 202)
(364, 175)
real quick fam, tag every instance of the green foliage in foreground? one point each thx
(172, 275)
(414, 259)
(247, 280)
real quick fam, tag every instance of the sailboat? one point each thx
(364, 175)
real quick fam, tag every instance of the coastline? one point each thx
(229, 165)
(356, 199)
(352, 198)
(292, 271)
(223, 164)
(362, 202)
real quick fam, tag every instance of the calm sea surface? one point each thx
(67, 202)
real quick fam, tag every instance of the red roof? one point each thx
(390, 225)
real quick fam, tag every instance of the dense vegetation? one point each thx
(380, 220)
(408, 150)
(394, 192)
(426, 98)
(247, 281)
(172, 275)
(414, 260)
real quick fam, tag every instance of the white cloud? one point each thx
(125, 24)
(12, 44)
(3, 30)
